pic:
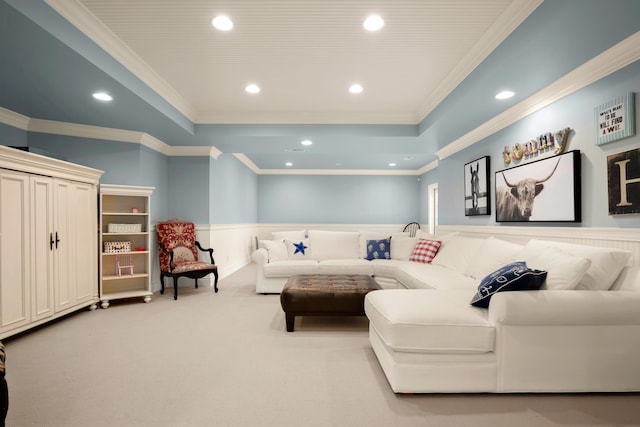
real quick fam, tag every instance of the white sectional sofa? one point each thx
(580, 332)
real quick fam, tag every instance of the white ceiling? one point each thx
(304, 54)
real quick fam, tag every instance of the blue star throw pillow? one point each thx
(297, 250)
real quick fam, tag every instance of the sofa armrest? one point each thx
(260, 256)
(565, 308)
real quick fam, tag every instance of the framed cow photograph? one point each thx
(477, 200)
(546, 190)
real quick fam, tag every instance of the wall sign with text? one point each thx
(623, 174)
(615, 119)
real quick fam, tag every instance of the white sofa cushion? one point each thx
(412, 320)
(429, 276)
(457, 252)
(289, 268)
(564, 271)
(345, 266)
(276, 249)
(289, 235)
(606, 264)
(493, 254)
(334, 244)
(402, 247)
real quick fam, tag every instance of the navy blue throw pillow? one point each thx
(512, 277)
(379, 249)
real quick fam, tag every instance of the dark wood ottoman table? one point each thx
(325, 294)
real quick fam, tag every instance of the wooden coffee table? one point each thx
(325, 295)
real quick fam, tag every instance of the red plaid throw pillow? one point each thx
(425, 250)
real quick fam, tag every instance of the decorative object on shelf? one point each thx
(541, 144)
(476, 187)
(124, 262)
(124, 228)
(623, 176)
(553, 182)
(615, 119)
(134, 210)
(117, 247)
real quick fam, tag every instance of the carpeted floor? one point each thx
(225, 360)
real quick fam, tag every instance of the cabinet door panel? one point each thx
(64, 252)
(14, 250)
(85, 241)
(41, 250)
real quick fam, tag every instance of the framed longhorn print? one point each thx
(547, 190)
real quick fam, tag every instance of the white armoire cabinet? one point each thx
(48, 239)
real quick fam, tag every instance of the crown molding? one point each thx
(14, 119)
(194, 151)
(510, 19)
(247, 162)
(85, 21)
(337, 172)
(428, 167)
(609, 61)
(312, 118)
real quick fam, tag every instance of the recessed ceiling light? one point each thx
(356, 88)
(289, 164)
(306, 142)
(252, 88)
(103, 96)
(373, 23)
(222, 23)
(505, 94)
(392, 164)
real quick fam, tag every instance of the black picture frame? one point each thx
(477, 198)
(546, 190)
(623, 173)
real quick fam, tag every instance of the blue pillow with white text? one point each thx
(512, 277)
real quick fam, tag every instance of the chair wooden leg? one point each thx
(196, 283)
(215, 281)
(175, 288)
(161, 283)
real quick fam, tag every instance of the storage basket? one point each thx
(117, 247)
(125, 228)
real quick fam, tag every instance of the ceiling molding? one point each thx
(609, 61)
(428, 167)
(194, 151)
(512, 17)
(85, 21)
(313, 118)
(338, 172)
(13, 119)
(247, 162)
(84, 131)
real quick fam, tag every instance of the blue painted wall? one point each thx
(575, 111)
(335, 199)
(233, 188)
(189, 196)
(13, 137)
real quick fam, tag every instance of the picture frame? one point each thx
(477, 199)
(615, 119)
(546, 190)
(623, 182)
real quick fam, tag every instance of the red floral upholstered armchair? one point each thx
(179, 255)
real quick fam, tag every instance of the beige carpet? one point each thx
(225, 360)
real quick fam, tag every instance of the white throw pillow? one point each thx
(289, 235)
(334, 244)
(456, 252)
(276, 248)
(606, 264)
(564, 271)
(402, 247)
(298, 249)
(493, 254)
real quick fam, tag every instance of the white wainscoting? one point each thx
(265, 230)
(620, 238)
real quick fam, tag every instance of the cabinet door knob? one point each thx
(57, 240)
